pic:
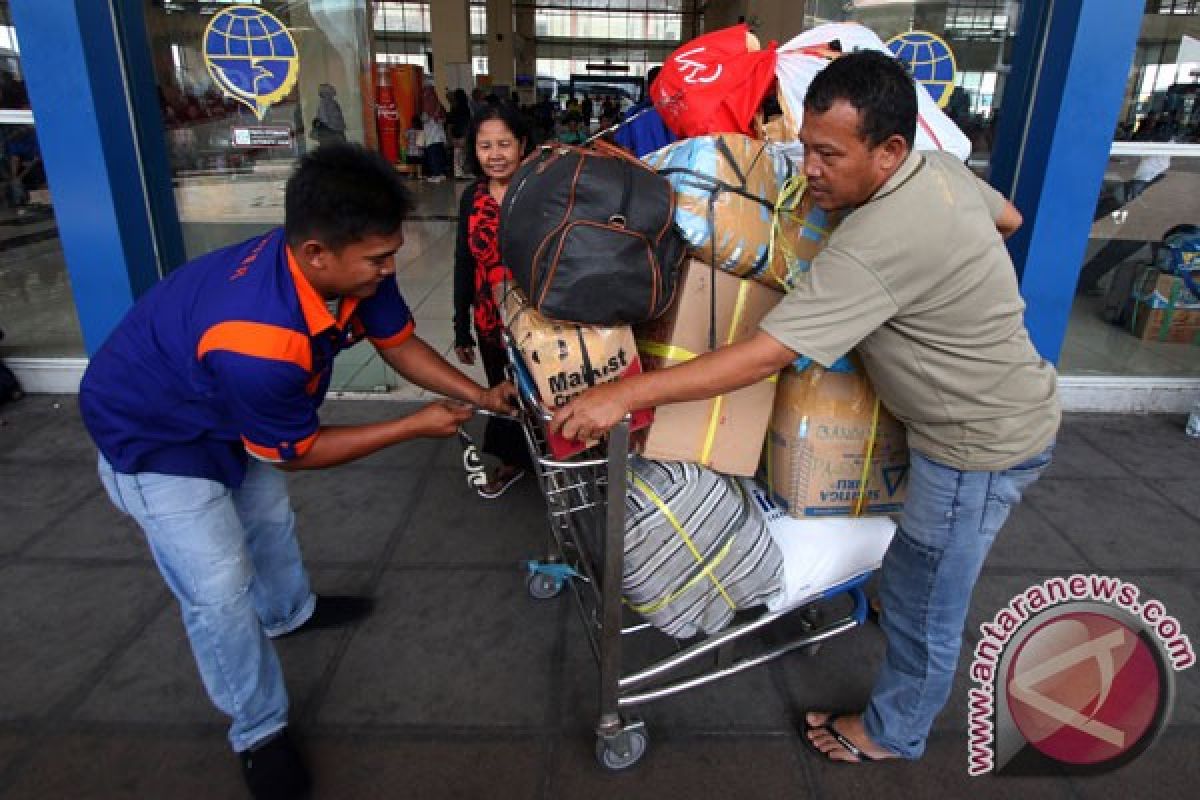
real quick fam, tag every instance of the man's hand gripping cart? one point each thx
(585, 508)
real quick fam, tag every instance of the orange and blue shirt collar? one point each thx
(316, 315)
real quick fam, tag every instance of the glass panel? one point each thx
(235, 125)
(1128, 317)
(978, 34)
(37, 308)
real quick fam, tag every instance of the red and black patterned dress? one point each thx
(477, 266)
(477, 271)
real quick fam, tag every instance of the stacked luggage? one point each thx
(682, 253)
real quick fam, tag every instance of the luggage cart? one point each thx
(585, 510)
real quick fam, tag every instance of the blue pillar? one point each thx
(1070, 66)
(72, 61)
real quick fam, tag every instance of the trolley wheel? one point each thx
(542, 586)
(624, 749)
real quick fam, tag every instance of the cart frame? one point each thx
(585, 511)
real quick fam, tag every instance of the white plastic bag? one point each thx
(796, 69)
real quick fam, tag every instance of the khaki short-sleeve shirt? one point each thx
(919, 281)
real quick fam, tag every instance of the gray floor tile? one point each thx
(454, 769)
(1120, 524)
(93, 528)
(447, 647)
(350, 513)
(37, 495)
(1076, 457)
(58, 623)
(941, 772)
(1028, 540)
(132, 766)
(1182, 492)
(55, 432)
(453, 524)
(766, 767)
(155, 680)
(11, 745)
(1150, 446)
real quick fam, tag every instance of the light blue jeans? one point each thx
(231, 558)
(949, 522)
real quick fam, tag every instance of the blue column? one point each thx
(1070, 67)
(71, 57)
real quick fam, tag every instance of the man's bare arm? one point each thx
(724, 370)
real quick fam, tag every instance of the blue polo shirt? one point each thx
(228, 356)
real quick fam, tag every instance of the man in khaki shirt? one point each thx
(917, 278)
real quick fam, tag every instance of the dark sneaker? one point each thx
(274, 770)
(334, 611)
(499, 485)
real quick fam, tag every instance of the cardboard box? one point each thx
(725, 433)
(564, 359)
(1163, 309)
(819, 437)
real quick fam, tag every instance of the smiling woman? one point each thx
(496, 143)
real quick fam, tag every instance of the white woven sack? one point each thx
(796, 70)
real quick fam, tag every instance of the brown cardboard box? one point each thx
(564, 359)
(817, 444)
(1180, 326)
(725, 433)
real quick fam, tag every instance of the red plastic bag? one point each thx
(714, 84)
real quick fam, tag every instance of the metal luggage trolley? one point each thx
(585, 508)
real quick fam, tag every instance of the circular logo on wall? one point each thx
(1085, 686)
(931, 61)
(251, 56)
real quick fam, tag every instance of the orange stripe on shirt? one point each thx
(397, 339)
(273, 455)
(259, 340)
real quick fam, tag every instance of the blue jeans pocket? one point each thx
(1008, 486)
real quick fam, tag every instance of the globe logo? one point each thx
(251, 56)
(931, 61)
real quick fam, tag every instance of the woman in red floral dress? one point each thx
(497, 140)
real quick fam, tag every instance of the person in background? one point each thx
(917, 279)
(329, 125)
(435, 148)
(207, 394)
(586, 109)
(414, 150)
(644, 130)
(497, 141)
(457, 120)
(572, 132)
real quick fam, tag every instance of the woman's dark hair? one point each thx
(512, 119)
(878, 86)
(342, 193)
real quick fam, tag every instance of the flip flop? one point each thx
(849, 746)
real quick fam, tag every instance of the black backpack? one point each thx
(588, 234)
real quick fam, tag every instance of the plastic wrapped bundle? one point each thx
(696, 548)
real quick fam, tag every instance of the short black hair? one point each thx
(514, 120)
(342, 193)
(878, 86)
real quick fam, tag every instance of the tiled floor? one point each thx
(460, 685)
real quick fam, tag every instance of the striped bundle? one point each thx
(696, 550)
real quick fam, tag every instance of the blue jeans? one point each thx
(949, 522)
(231, 558)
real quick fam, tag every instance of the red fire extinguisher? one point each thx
(386, 119)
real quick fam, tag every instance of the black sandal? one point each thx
(849, 746)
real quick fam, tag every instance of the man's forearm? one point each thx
(341, 444)
(725, 370)
(419, 363)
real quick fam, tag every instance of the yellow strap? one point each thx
(866, 471)
(714, 417)
(654, 498)
(668, 351)
(789, 194)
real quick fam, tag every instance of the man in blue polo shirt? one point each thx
(214, 379)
